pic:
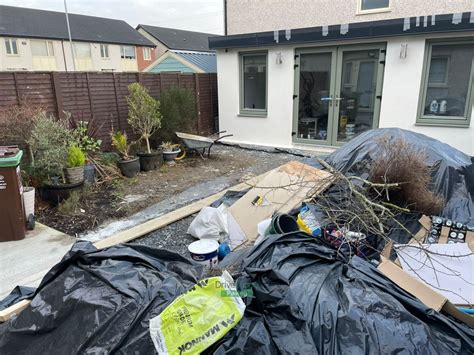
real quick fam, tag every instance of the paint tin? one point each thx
(204, 251)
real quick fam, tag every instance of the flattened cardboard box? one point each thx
(423, 292)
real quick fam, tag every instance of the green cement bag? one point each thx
(198, 318)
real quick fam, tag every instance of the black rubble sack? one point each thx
(307, 301)
(452, 171)
(99, 301)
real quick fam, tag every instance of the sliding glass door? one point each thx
(337, 93)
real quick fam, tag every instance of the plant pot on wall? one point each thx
(149, 161)
(129, 168)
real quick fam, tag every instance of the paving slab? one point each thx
(25, 262)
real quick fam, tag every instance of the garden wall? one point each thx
(103, 95)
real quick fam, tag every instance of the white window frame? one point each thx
(104, 51)
(147, 53)
(10, 43)
(122, 53)
(48, 52)
(372, 11)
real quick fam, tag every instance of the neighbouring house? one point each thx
(179, 50)
(38, 40)
(294, 73)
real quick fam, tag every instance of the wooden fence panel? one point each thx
(102, 96)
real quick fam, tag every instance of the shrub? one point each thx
(49, 142)
(70, 207)
(83, 138)
(143, 112)
(178, 108)
(398, 162)
(76, 158)
(17, 123)
(119, 141)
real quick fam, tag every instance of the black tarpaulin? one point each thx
(99, 301)
(452, 171)
(308, 301)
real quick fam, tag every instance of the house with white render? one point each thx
(318, 73)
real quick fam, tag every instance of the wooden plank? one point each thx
(9, 312)
(176, 215)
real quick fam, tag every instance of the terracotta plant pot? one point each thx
(75, 175)
(171, 156)
(149, 161)
(129, 168)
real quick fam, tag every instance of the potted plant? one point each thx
(50, 139)
(129, 165)
(170, 151)
(145, 119)
(85, 136)
(76, 160)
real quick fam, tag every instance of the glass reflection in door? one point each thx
(356, 102)
(314, 96)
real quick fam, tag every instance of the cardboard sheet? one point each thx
(453, 278)
(281, 190)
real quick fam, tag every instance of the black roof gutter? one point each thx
(447, 23)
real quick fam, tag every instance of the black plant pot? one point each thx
(129, 168)
(149, 161)
(57, 193)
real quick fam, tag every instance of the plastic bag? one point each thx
(210, 223)
(198, 318)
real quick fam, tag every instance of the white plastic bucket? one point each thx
(29, 201)
(204, 251)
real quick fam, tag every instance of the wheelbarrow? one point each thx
(199, 144)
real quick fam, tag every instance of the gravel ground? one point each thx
(173, 237)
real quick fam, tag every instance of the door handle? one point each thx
(339, 99)
(329, 98)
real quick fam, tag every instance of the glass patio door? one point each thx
(338, 92)
(314, 85)
(358, 91)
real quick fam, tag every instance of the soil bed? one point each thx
(124, 197)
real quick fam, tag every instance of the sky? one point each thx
(197, 15)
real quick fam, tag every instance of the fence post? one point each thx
(117, 100)
(15, 79)
(161, 83)
(58, 94)
(198, 102)
(89, 93)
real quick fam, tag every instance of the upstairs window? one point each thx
(127, 52)
(253, 84)
(42, 48)
(104, 51)
(146, 53)
(11, 46)
(82, 50)
(368, 6)
(447, 84)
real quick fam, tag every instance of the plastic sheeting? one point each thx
(452, 170)
(300, 299)
(99, 301)
(308, 301)
(18, 293)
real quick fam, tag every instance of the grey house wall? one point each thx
(247, 16)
